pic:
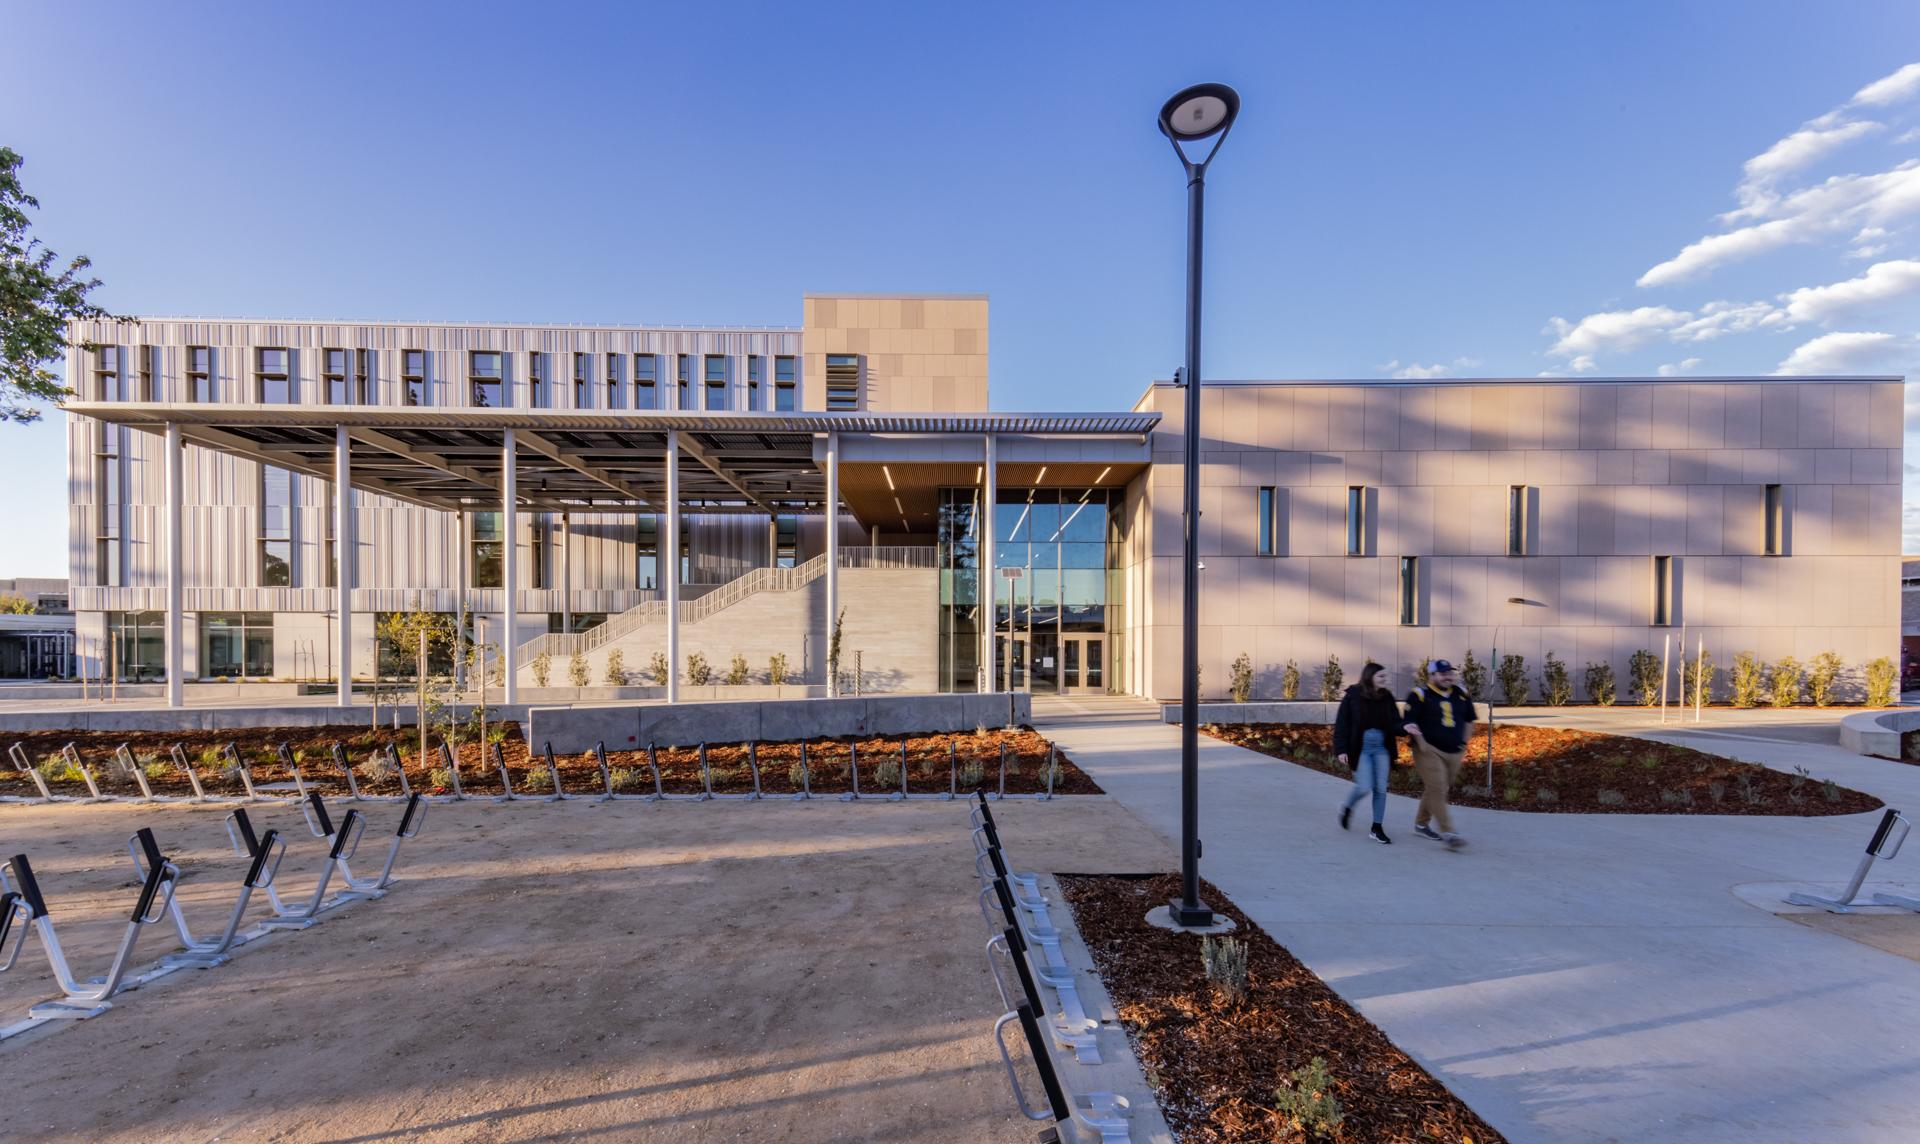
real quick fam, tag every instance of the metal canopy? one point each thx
(570, 460)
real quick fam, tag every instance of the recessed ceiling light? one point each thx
(1042, 476)
(979, 471)
(889, 473)
(1103, 474)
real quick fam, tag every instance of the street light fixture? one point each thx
(1201, 112)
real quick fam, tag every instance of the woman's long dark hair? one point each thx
(1367, 686)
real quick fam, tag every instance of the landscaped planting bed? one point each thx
(1551, 769)
(879, 758)
(1216, 1063)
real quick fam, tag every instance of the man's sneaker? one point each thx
(1379, 835)
(1346, 813)
(1453, 841)
(1425, 831)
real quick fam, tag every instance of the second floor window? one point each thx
(1775, 507)
(1356, 520)
(785, 381)
(276, 527)
(486, 375)
(363, 391)
(843, 381)
(488, 550)
(149, 369)
(646, 390)
(413, 377)
(106, 374)
(333, 377)
(273, 383)
(199, 374)
(1662, 591)
(716, 378)
(1409, 590)
(537, 380)
(683, 380)
(1269, 524)
(616, 394)
(581, 399)
(786, 540)
(1517, 497)
(756, 370)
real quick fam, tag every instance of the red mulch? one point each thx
(1555, 770)
(1215, 1064)
(928, 768)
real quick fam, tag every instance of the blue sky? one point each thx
(1475, 189)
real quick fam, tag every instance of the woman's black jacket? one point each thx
(1360, 713)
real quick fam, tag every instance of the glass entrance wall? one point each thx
(139, 645)
(236, 645)
(1055, 551)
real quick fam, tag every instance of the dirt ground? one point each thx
(769, 971)
(1894, 933)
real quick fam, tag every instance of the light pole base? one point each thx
(1175, 916)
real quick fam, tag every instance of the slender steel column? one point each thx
(463, 577)
(344, 547)
(566, 572)
(1190, 910)
(509, 568)
(988, 589)
(176, 556)
(833, 554)
(667, 560)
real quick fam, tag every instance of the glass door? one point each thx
(1083, 664)
(1010, 668)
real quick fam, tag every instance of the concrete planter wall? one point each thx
(1298, 712)
(1877, 732)
(572, 729)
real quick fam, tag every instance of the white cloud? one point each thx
(1719, 318)
(1882, 283)
(1902, 84)
(1843, 353)
(1611, 331)
(1871, 241)
(1802, 149)
(1841, 203)
(1583, 363)
(1675, 369)
(1414, 370)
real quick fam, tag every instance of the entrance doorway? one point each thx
(1083, 664)
(1050, 663)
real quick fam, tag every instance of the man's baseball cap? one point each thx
(1438, 666)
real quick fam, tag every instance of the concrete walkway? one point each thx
(1572, 977)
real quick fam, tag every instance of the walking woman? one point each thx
(1366, 736)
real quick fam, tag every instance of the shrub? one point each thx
(1599, 680)
(973, 774)
(1305, 1099)
(440, 778)
(1556, 685)
(796, 774)
(1290, 682)
(1822, 674)
(1050, 772)
(1785, 682)
(1644, 672)
(616, 669)
(577, 670)
(157, 768)
(1225, 960)
(887, 774)
(537, 778)
(1746, 678)
(1331, 677)
(1696, 675)
(1612, 798)
(1546, 795)
(737, 670)
(1513, 679)
(1473, 675)
(699, 672)
(660, 669)
(1882, 683)
(1241, 684)
(542, 669)
(625, 778)
(777, 668)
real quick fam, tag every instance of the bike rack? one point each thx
(1073, 1029)
(806, 776)
(853, 772)
(123, 758)
(659, 789)
(193, 776)
(90, 997)
(314, 809)
(20, 763)
(246, 773)
(339, 754)
(205, 953)
(706, 777)
(293, 767)
(506, 779)
(1884, 845)
(412, 821)
(453, 776)
(553, 772)
(72, 755)
(1105, 1114)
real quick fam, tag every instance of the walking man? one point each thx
(1439, 725)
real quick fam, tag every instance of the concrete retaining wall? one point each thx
(572, 729)
(1877, 732)
(105, 718)
(1298, 712)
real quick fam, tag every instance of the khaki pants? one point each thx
(1437, 770)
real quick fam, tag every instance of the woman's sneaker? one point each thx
(1346, 813)
(1379, 835)
(1453, 841)
(1425, 831)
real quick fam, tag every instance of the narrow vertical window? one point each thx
(1409, 590)
(199, 374)
(1269, 541)
(537, 552)
(646, 377)
(715, 376)
(683, 378)
(616, 395)
(756, 370)
(106, 476)
(1776, 510)
(276, 527)
(333, 377)
(413, 377)
(363, 392)
(273, 384)
(106, 374)
(1356, 520)
(488, 550)
(786, 540)
(1662, 591)
(581, 366)
(785, 379)
(843, 381)
(536, 380)
(149, 366)
(646, 550)
(486, 378)
(1516, 520)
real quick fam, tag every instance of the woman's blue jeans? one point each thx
(1370, 774)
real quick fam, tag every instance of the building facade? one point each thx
(706, 494)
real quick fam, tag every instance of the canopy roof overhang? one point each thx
(578, 460)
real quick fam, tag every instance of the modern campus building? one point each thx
(706, 493)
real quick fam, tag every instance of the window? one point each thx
(236, 645)
(106, 374)
(1662, 591)
(784, 380)
(843, 381)
(1409, 590)
(537, 552)
(786, 540)
(396, 661)
(616, 396)
(582, 621)
(413, 377)
(149, 366)
(537, 396)
(1269, 543)
(580, 367)
(139, 644)
(272, 383)
(199, 374)
(363, 392)
(683, 378)
(646, 548)
(486, 376)
(1356, 520)
(1776, 510)
(716, 378)
(333, 377)
(1516, 520)
(488, 550)
(107, 494)
(276, 527)
(646, 369)
(756, 370)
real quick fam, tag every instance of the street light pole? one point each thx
(1200, 112)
